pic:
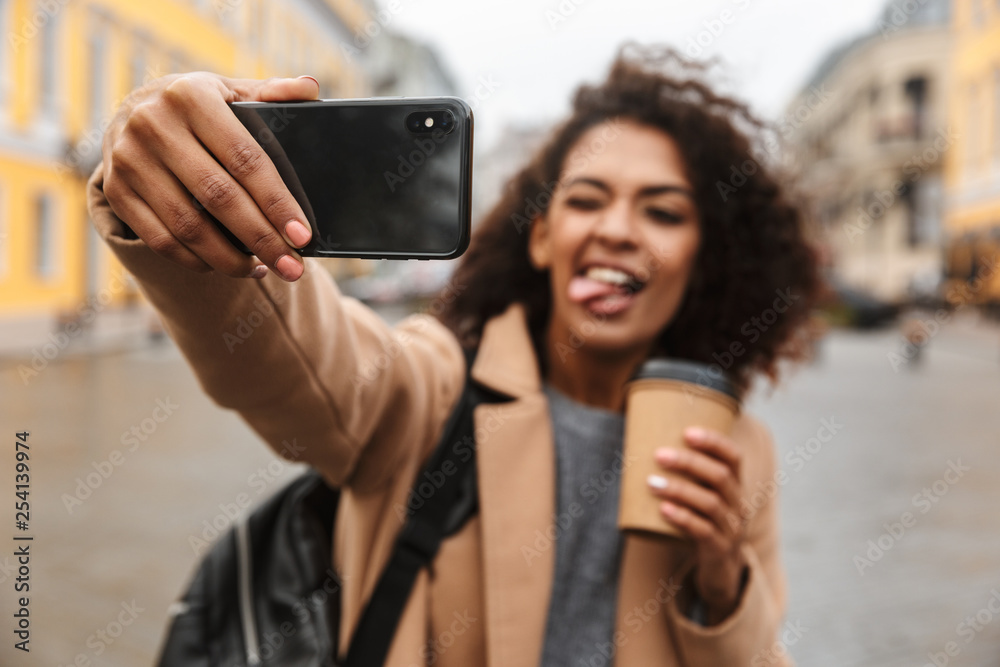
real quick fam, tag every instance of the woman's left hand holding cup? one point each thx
(703, 501)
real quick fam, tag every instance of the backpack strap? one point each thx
(435, 517)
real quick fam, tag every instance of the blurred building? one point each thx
(395, 65)
(67, 65)
(400, 66)
(870, 132)
(502, 162)
(972, 174)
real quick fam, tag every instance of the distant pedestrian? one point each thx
(915, 334)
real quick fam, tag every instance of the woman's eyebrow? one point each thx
(600, 185)
(647, 191)
(665, 189)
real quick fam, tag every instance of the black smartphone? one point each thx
(378, 177)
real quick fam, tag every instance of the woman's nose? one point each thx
(617, 225)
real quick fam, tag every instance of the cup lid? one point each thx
(682, 370)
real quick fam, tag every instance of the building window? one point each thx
(916, 94)
(178, 63)
(295, 49)
(97, 51)
(978, 12)
(996, 111)
(96, 259)
(4, 240)
(909, 199)
(227, 13)
(5, 60)
(137, 62)
(45, 250)
(923, 211)
(973, 132)
(251, 15)
(260, 19)
(48, 64)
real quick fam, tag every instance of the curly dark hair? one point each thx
(753, 250)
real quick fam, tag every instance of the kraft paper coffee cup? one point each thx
(664, 397)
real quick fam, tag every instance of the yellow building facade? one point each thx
(65, 68)
(972, 173)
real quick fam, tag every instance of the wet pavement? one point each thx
(891, 531)
(890, 525)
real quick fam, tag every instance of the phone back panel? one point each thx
(369, 183)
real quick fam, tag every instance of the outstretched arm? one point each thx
(318, 375)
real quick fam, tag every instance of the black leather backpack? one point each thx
(266, 592)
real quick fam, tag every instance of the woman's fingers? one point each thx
(131, 208)
(234, 180)
(694, 497)
(176, 156)
(694, 524)
(702, 469)
(260, 187)
(225, 198)
(187, 225)
(271, 90)
(703, 501)
(716, 445)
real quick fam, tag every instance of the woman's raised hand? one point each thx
(705, 504)
(175, 153)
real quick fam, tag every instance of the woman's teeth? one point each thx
(608, 275)
(616, 277)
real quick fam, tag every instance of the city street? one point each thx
(890, 526)
(899, 438)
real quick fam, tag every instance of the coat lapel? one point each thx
(516, 475)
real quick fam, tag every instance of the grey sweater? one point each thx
(588, 446)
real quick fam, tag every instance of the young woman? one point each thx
(643, 243)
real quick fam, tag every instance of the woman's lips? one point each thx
(609, 305)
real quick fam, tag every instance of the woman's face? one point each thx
(619, 238)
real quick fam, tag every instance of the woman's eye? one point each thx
(583, 204)
(664, 215)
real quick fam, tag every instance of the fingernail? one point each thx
(695, 433)
(306, 76)
(666, 454)
(657, 482)
(298, 233)
(258, 271)
(288, 268)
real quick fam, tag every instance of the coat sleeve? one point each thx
(318, 375)
(750, 635)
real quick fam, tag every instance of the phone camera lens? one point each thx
(447, 121)
(436, 120)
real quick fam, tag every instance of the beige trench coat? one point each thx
(366, 404)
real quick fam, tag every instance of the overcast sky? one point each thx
(537, 51)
